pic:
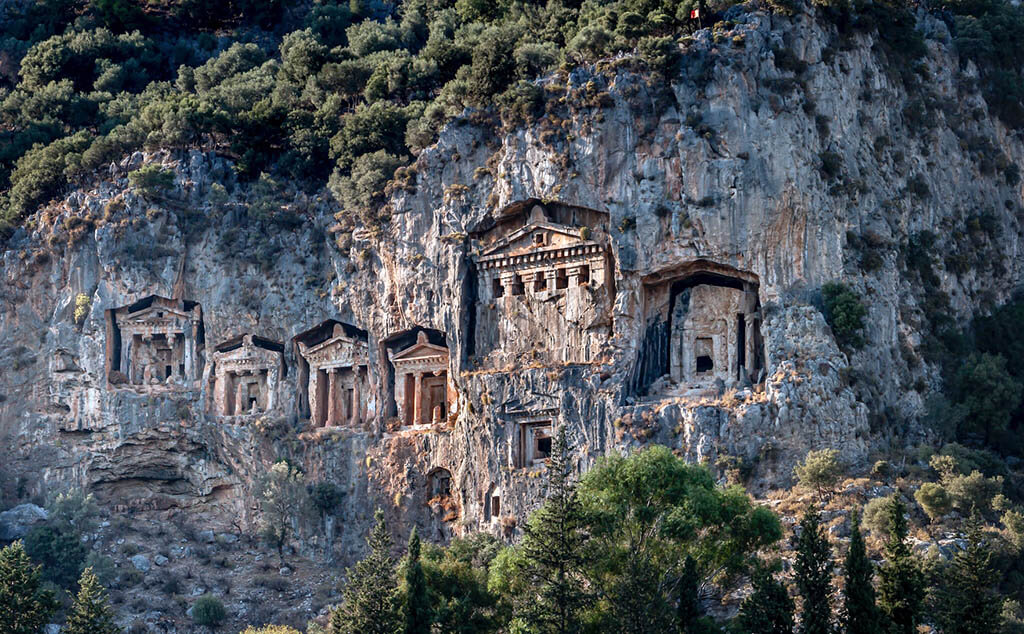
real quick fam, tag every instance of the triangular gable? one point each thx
(338, 342)
(150, 314)
(418, 350)
(523, 232)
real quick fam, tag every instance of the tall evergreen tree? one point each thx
(901, 581)
(417, 601)
(24, 606)
(969, 603)
(688, 608)
(553, 552)
(90, 612)
(860, 613)
(814, 575)
(768, 609)
(370, 603)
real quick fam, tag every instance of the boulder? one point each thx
(141, 563)
(15, 523)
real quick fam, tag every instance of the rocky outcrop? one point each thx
(782, 156)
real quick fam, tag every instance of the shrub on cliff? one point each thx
(845, 313)
(208, 610)
(820, 471)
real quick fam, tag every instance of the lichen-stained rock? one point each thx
(748, 177)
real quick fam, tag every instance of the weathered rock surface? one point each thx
(724, 170)
(15, 523)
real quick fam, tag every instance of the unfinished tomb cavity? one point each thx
(246, 372)
(543, 285)
(155, 343)
(333, 375)
(703, 331)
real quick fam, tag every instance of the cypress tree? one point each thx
(901, 580)
(417, 602)
(90, 612)
(688, 609)
(860, 613)
(969, 602)
(553, 551)
(814, 575)
(24, 606)
(768, 609)
(370, 601)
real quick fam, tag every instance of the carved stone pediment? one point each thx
(339, 351)
(155, 319)
(421, 355)
(248, 357)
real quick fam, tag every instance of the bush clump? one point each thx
(844, 313)
(208, 610)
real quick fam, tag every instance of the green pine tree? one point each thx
(417, 601)
(24, 607)
(688, 608)
(814, 575)
(90, 613)
(901, 581)
(860, 613)
(768, 609)
(969, 603)
(370, 603)
(553, 551)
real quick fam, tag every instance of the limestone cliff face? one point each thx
(779, 158)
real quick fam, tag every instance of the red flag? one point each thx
(694, 14)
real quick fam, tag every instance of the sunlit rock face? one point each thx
(647, 273)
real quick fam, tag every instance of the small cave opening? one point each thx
(705, 364)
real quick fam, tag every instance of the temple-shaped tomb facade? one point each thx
(334, 374)
(703, 330)
(246, 373)
(156, 342)
(543, 286)
(423, 393)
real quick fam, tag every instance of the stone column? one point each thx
(508, 284)
(332, 397)
(530, 279)
(550, 276)
(239, 395)
(573, 273)
(417, 414)
(354, 419)
(313, 394)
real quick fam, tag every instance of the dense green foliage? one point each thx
(24, 605)
(819, 471)
(645, 515)
(348, 92)
(90, 613)
(552, 555)
(901, 588)
(860, 612)
(968, 603)
(339, 89)
(208, 610)
(813, 568)
(371, 605)
(417, 602)
(845, 313)
(768, 609)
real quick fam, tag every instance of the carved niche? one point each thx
(247, 370)
(155, 343)
(335, 374)
(544, 286)
(703, 329)
(423, 393)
